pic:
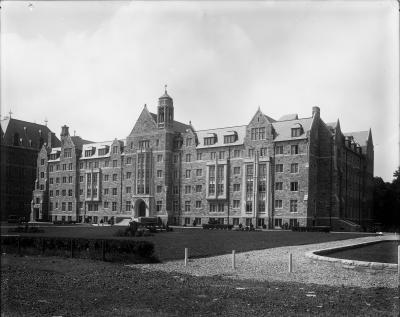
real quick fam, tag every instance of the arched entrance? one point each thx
(142, 209)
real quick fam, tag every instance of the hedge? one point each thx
(217, 226)
(97, 249)
(312, 229)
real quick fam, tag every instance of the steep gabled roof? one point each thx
(26, 131)
(79, 142)
(360, 137)
(239, 131)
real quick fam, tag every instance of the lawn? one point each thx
(384, 251)
(203, 243)
(45, 286)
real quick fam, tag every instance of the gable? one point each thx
(145, 123)
(260, 119)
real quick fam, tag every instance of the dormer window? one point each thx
(67, 153)
(231, 138)
(144, 144)
(115, 149)
(102, 151)
(88, 153)
(297, 130)
(210, 140)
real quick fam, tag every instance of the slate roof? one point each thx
(293, 116)
(283, 129)
(177, 126)
(79, 142)
(96, 147)
(360, 137)
(220, 133)
(26, 131)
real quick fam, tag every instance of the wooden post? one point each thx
(233, 260)
(186, 255)
(103, 250)
(290, 263)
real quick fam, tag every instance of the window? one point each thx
(237, 153)
(69, 192)
(254, 133)
(278, 222)
(236, 187)
(63, 206)
(199, 172)
(279, 150)
(187, 221)
(51, 193)
(90, 164)
(293, 205)
(221, 155)
(102, 151)
(159, 189)
(249, 206)
(251, 152)
(188, 141)
(263, 152)
(294, 149)
(220, 189)
(42, 187)
(199, 156)
(114, 191)
(128, 205)
(129, 160)
(64, 179)
(57, 167)
(70, 179)
(221, 207)
(115, 149)
(158, 205)
(114, 206)
(175, 205)
(106, 191)
(128, 175)
(157, 142)
(211, 189)
(213, 208)
(51, 180)
(41, 161)
(115, 163)
(81, 191)
(80, 178)
(57, 192)
(197, 220)
(159, 158)
(187, 205)
(261, 186)
(128, 189)
(278, 203)
(296, 132)
(261, 133)
(198, 203)
(144, 144)
(278, 186)
(176, 158)
(198, 188)
(236, 204)
(69, 206)
(209, 140)
(88, 153)
(70, 166)
(106, 163)
(106, 204)
(80, 165)
(51, 167)
(64, 167)
(294, 168)
(294, 186)
(188, 157)
(51, 207)
(236, 170)
(114, 177)
(212, 155)
(106, 176)
(187, 173)
(175, 174)
(187, 189)
(159, 173)
(229, 138)
(261, 206)
(96, 164)
(279, 168)
(41, 174)
(176, 190)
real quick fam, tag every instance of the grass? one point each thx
(384, 251)
(45, 286)
(203, 243)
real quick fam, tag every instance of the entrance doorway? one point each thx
(36, 214)
(142, 209)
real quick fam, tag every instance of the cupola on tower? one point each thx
(165, 113)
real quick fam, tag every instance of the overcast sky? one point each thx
(93, 65)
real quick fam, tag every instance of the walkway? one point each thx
(272, 265)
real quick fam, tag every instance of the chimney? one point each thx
(315, 110)
(49, 138)
(64, 131)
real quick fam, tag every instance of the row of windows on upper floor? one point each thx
(279, 150)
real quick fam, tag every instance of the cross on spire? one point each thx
(165, 87)
(45, 121)
(10, 113)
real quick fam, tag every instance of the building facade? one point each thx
(20, 143)
(272, 173)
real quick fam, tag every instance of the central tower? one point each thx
(165, 111)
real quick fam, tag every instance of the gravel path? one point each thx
(272, 265)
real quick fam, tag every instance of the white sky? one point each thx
(93, 65)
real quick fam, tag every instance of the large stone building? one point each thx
(291, 171)
(20, 143)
